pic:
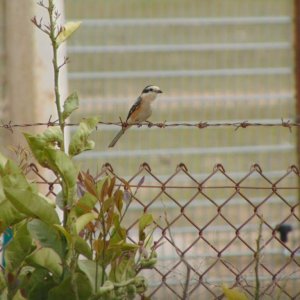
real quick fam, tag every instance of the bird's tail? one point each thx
(116, 138)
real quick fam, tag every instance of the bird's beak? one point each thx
(159, 92)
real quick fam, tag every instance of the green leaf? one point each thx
(32, 205)
(48, 259)
(17, 249)
(149, 262)
(79, 141)
(14, 177)
(145, 221)
(82, 247)
(38, 283)
(44, 148)
(51, 138)
(105, 289)
(83, 220)
(48, 236)
(71, 104)
(2, 195)
(66, 234)
(67, 30)
(9, 215)
(3, 161)
(85, 204)
(2, 283)
(233, 294)
(59, 200)
(62, 165)
(118, 233)
(127, 247)
(123, 269)
(66, 290)
(18, 296)
(88, 267)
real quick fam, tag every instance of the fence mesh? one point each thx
(216, 62)
(216, 229)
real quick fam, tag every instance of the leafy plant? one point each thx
(233, 294)
(87, 254)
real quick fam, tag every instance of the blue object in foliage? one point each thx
(7, 236)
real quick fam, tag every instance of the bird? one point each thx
(140, 110)
(284, 230)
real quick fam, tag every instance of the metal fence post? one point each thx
(297, 71)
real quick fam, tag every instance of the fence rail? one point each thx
(264, 20)
(177, 47)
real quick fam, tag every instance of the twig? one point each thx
(185, 294)
(257, 260)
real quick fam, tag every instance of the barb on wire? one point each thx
(200, 125)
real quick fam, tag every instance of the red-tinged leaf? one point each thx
(104, 190)
(89, 184)
(111, 186)
(118, 199)
(107, 204)
(109, 219)
(98, 246)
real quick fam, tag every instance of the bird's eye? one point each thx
(151, 90)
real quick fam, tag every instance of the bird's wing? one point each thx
(134, 108)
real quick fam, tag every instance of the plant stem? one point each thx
(96, 277)
(73, 266)
(104, 248)
(56, 68)
(54, 44)
(257, 261)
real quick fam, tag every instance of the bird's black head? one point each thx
(151, 89)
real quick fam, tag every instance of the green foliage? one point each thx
(87, 254)
(67, 30)
(233, 294)
(18, 249)
(71, 104)
(32, 205)
(41, 247)
(47, 236)
(72, 287)
(46, 258)
(79, 141)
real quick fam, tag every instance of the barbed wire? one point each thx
(200, 125)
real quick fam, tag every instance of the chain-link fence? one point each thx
(216, 61)
(216, 229)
